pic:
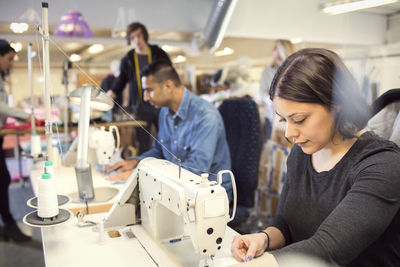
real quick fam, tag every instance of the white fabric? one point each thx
(386, 123)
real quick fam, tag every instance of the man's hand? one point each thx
(123, 166)
(120, 176)
(111, 94)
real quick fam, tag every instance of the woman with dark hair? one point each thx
(10, 230)
(341, 198)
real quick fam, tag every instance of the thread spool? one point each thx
(47, 199)
(36, 145)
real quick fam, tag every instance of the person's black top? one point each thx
(348, 215)
(128, 74)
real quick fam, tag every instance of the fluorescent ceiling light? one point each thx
(96, 48)
(340, 7)
(226, 51)
(296, 40)
(170, 48)
(167, 48)
(179, 59)
(19, 27)
(75, 57)
(17, 46)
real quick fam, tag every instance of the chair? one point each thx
(242, 125)
(385, 119)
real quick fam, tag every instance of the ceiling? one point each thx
(251, 31)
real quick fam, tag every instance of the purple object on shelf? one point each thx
(73, 24)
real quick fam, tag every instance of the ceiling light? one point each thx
(75, 57)
(179, 59)
(19, 27)
(170, 48)
(96, 48)
(340, 7)
(73, 24)
(296, 40)
(226, 51)
(166, 48)
(17, 46)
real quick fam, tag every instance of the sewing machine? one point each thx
(174, 203)
(102, 146)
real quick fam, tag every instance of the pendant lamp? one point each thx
(73, 24)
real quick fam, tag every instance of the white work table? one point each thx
(67, 244)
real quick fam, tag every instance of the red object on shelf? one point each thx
(17, 126)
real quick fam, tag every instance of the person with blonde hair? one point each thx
(282, 49)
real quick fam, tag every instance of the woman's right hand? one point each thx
(247, 247)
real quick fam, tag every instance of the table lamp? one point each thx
(86, 97)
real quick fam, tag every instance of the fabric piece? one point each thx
(242, 126)
(386, 123)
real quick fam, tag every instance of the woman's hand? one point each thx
(247, 247)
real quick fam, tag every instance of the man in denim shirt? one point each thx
(190, 128)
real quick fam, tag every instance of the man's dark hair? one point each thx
(5, 47)
(319, 76)
(161, 71)
(136, 26)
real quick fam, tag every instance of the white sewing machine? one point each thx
(102, 146)
(174, 204)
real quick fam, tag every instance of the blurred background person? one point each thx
(10, 229)
(141, 55)
(106, 85)
(282, 49)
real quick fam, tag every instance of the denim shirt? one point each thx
(195, 134)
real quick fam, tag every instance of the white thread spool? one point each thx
(47, 199)
(36, 146)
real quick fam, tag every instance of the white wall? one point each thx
(287, 19)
